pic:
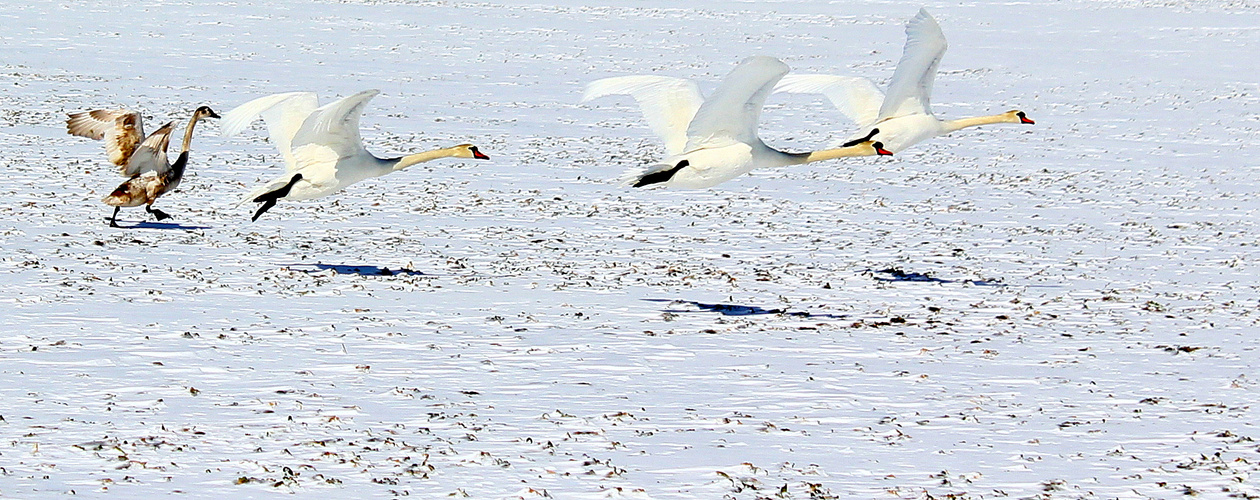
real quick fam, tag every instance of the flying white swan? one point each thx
(322, 150)
(123, 131)
(710, 141)
(903, 117)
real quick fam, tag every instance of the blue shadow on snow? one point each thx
(738, 310)
(157, 225)
(894, 274)
(359, 270)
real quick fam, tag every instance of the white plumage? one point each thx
(321, 146)
(710, 141)
(902, 117)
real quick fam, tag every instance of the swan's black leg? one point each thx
(265, 207)
(160, 215)
(113, 219)
(268, 199)
(855, 142)
(661, 176)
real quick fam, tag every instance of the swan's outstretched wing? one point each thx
(284, 114)
(151, 155)
(734, 110)
(857, 98)
(335, 125)
(910, 91)
(668, 103)
(123, 130)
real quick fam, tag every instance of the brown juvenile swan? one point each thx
(122, 131)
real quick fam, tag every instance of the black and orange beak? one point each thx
(479, 155)
(1024, 118)
(879, 149)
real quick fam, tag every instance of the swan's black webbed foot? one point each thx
(269, 198)
(113, 219)
(661, 176)
(855, 142)
(158, 214)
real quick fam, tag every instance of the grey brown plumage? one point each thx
(122, 130)
(141, 189)
(150, 173)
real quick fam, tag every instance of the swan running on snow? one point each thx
(322, 150)
(902, 117)
(137, 155)
(710, 141)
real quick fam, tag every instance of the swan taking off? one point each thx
(322, 150)
(710, 141)
(141, 159)
(902, 117)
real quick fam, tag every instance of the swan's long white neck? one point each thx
(188, 133)
(829, 154)
(177, 168)
(397, 164)
(948, 126)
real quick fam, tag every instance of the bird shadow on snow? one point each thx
(361, 270)
(738, 310)
(158, 225)
(893, 274)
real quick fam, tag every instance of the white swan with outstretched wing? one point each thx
(902, 117)
(710, 141)
(322, 149)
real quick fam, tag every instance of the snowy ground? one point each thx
(1067, 310)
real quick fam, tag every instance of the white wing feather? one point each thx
(857, 98)
(732, 113)
(668, 104)
(335, 125)
(284, 114)
(910, 91)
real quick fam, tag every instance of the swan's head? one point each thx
(205, 112)
(1017, 116)
(879, 149)
(469, 151)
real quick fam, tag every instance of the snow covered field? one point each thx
(1065, 310)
